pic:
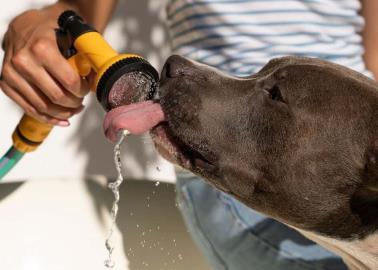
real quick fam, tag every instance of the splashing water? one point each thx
(132, 87)
(114, 186)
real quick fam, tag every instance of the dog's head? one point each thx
(296, 141)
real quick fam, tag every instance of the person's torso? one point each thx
(240, 36)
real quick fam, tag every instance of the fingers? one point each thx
(49, 56)
(14, 84)
(28, 108)
(38, 92)
(35, 74)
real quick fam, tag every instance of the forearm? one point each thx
(371, 62)
(370, 35)
(95, 12)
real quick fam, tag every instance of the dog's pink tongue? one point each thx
(136, 118)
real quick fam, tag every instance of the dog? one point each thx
(297, 141)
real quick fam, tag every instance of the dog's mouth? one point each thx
(149, 116)
(185, 154)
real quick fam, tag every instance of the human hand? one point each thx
(35, 75)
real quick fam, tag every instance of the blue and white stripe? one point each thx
(240, 36)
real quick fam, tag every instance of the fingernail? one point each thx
(63, 123)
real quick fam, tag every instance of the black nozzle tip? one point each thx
(70, 22)
(117, 70)
(67, 16)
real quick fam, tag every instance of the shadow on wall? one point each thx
(143, 32)
(8, 188)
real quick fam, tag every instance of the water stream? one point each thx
(114, 186)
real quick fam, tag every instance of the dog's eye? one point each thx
(275, 94)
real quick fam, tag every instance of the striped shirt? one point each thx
(240, 36)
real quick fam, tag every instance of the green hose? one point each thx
(9, 160)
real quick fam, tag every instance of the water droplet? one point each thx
(157, 183)
(109, 245)
(109, 263)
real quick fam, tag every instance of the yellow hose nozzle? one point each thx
(29, 134)
(87, 51)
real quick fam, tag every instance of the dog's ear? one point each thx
(271, 81)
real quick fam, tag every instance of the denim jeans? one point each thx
(234, 237)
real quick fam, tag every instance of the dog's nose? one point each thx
(175, 66)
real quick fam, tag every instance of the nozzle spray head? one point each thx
(121, 78)
(129, 80)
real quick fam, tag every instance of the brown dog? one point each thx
(298, 141)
